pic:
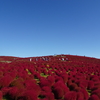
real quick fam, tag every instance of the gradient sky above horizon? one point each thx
(46, 27)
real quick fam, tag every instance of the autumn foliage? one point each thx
(59, 77)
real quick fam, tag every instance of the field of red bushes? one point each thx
(58, 77)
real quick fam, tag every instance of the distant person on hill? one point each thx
(63, 59)
(43, 58)
(30, 59)
(36, 59)
(66, 59)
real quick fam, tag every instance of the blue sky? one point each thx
(46, 27)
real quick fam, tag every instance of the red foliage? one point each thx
(14, 93)
(80, 96)
(57, 78)
(5, 90)
(70, 96)
(94, 78)
(1, 95)
(29, 95)
(51, 79)
(90, 85)
(64, 77)
(85, 93)
(5, 81)
(46, 89)
(58, 92)
(96, 92)
(69, 79)
(19, 83)
(31, 85)
(62, 85)
(44, 82)
(94, 97)
(50, 96)
(83, 83)
(73, 86)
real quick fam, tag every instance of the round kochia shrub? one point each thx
(73, 86)
(44, 82)
(64, 77)
(5, 90)
(90, 85)
(46, 89)
(70, 96)
(31, 85)
(5, 81)
(96, 92)
(58, 92)
(46, 96)
(94, 78)
(62, 85)
(19, 83)
(96, 85)
(82, 83)
(51, 80)
(58, 78)
(69, 82)
(80, 96)
(93, 97)
(1, 95)
(50, 96)
(1, 73)
(85, 93)
(29, 95)
(13, 93)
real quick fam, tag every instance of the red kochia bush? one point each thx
(64, 77)
(29, 95)
(58, 92)
(1, 73)
(70, 96)
(13, 74)
(19, 83)
(5, 81)
(14, 93)
(50, 96)
(72, 86)
(5, 90)
(93, 97)
(57, 78)
(95, 88)
(51, 79)
(31, 85)
(46, 95)
(85, 93)
(69, 82)
(96, 92)
(62, 85)
(90, 84)
(1, 95)
(94, 78)
(46, 89)
(80, 96)
(44, 82)
(77, 89)
(97, 83)
(83, 83)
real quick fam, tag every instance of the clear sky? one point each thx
(46, 27)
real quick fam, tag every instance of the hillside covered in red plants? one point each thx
(58, 77)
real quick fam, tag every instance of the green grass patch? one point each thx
(43, 75)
